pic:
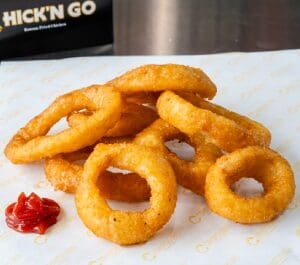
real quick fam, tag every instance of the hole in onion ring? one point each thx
(248, 188)
(118, 170)
(150, 106)
(129, 207)
(182, 149)
(125, 206)
(79, 162)
(60, 126)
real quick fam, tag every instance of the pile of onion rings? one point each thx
(125, 123)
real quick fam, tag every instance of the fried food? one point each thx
(189, 174)
(123, 227)
(140, 98)
(262, 164)
(134, 118)
(64, 174)
(151, 105)
(227, 130)
(31, 142)
(174, 77)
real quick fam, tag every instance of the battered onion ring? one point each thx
(119, 226)
(134, 118)
(141, 98)
(189, 174)
(154, 77)
(65, 175)
(227, 130)
(30, 142)
(262, 164)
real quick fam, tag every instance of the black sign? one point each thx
(29, 27)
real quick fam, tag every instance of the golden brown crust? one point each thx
(65, 175)
(262, 164)
(31, 142)
(134, 118)
(141, 97)
(189, 174)
(174, 77)
(227, 130)
(119, 226)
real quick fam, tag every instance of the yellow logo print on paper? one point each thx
(215, 237)
(95, 262)
(298, 232)
(281, 257)
(41, 184)
(201, 248)
(110, 253)
(152, 254)
(197, 217)
(260, 234)
(149, 256)
(253, 241)
(40, 239)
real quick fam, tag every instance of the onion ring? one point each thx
(262, 164)
(119, 226)
(189, 174)
(31, 143)
(227, 130)
(134, 118)
(65, 175)
(141, 98)
(175, 77)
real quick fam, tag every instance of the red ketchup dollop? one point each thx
(31, 214)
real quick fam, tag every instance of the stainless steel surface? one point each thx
(204, 26)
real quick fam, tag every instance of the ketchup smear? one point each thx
(31, 214)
